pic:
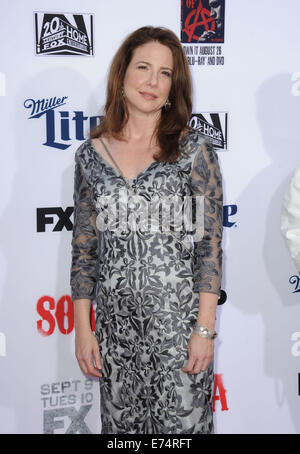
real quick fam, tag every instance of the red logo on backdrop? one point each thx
(58, 315)
(199, 17)
(202, 21)
(219, 393)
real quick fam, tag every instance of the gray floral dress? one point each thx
(146, 286)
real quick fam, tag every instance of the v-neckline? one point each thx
(116, 170)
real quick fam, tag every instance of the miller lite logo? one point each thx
(64, 34)
(61, 126)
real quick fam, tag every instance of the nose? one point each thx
(153, 78)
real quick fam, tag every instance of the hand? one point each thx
(201, 352)
(87, 350)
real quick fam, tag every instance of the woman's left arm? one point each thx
(207, 182)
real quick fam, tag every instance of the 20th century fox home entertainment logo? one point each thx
(64, 34)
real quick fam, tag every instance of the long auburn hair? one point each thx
(172, 122)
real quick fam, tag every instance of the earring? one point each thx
(123, 94)
(167, 104)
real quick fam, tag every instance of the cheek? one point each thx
(133, 80)
(166, 87)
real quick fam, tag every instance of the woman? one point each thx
(154, 363)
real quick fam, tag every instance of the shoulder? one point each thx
(195, 141)
(195, 136)
(83, 148)
(85, 158)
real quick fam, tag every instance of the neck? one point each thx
(140, 127)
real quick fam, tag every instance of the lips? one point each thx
(149, 96)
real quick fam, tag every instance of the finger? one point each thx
(97, 358)
(92, 370)
(87, 366)
(198, 367)
(83, 366)
(201, 364)
(206, 363)
(81, 362)
(189, 366)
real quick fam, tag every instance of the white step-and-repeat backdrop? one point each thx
(244, 59)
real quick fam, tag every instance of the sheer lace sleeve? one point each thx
(85, 243)
(206, 181)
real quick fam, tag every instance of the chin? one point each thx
(145, 108)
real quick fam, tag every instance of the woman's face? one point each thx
(148, 78)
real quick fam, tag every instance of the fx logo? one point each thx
(43, 217)
(52, 423)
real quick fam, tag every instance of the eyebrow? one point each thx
(147, 63)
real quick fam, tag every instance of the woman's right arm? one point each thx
(83, 273)
(86, 344)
